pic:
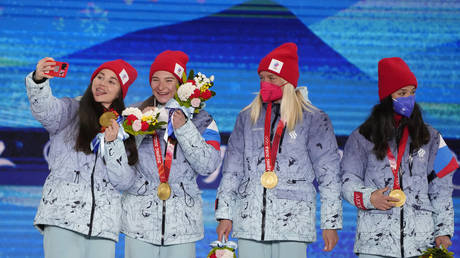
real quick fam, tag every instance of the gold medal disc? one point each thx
(164, 191)
(269, 179)
(398, 194)
(105, 118)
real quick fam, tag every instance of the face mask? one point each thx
(270, 92)
(404, 105)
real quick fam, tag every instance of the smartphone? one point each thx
(59, 69)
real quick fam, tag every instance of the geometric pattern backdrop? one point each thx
(340, 43)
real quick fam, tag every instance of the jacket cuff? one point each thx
(222, 210)
(331, 215)
(362, 198)
(39, 81)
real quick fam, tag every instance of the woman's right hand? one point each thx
(381, 201)
(223, 229)
(43, 67)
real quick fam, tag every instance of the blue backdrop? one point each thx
(340, 43)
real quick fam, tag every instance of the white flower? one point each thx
(195, 102)
(137, 125)
(185, 90)
(164, 115)
(211, 78)
(224, 253)
(132, 111)
(153, 113)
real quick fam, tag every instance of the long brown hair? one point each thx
(89, 113)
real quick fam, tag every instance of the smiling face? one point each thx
(164, 86)
(105, 87)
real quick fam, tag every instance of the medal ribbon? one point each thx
(271, 151)
(163, 168)
(395, 164)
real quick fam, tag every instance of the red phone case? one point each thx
(60, 69)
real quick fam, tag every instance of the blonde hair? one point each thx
(292, 106)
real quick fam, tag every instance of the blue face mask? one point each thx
(404, 105)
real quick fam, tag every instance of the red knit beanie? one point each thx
(170, 61)
(394, 74)
(126, 74)
(282, 61)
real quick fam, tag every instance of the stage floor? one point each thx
(18, 237)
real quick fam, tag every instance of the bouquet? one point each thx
(437, 252)
(136, 123)
(195, 91)
(223, 249)
(222, 252)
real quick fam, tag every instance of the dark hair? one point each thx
(380, 128)
(89, 113)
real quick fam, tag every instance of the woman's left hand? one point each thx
(330, 238)
(443, 240)
(111, 132)
(178, 119)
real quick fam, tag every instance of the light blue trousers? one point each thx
(139, 249)
(271, 249)
(63, 243)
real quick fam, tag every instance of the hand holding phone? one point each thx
(59, 69)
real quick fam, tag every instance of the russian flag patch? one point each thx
(445, 161)
(211, 135)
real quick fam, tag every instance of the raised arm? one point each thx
(53, 113)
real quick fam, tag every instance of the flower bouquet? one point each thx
(223, 249)
(195, 91)
(136, 123)
(437, 252)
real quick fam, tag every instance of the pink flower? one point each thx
(137, 125)
(224, 253)
(195, 102)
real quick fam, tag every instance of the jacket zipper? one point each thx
(93, 199)
(163, 211)
(264, 200)
(163, 223)
(401, 224)
(264, 204)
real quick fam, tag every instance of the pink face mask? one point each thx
(270, 92)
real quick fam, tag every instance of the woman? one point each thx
(79, 212)
(393, 173)
(162, 208)
(267, 192)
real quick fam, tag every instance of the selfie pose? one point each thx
(80, 209)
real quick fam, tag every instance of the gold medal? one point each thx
(105, 118)
(164, 191)
(269, 179)
(398, 194)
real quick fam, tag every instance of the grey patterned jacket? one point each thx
(142, 209)
(286, 212)
(427, 213)
(77, 194)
